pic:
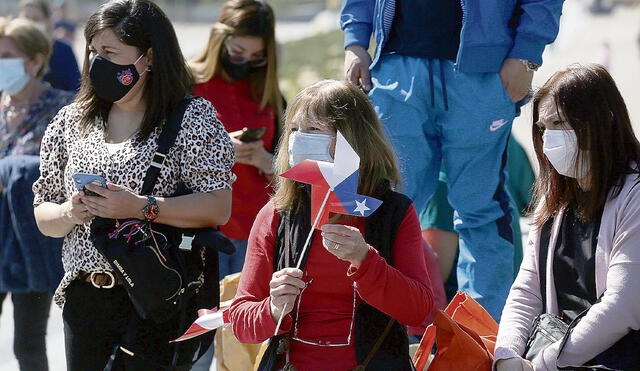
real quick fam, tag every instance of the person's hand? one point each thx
(75, 211)
(516, 79)
(252, 153)
(284, 287)
(514, 364)
(116, 202)
(356, 66)
(345, 242)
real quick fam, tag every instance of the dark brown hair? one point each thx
(588, 99)
(142, 24)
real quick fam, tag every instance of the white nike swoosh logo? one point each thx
(497, 124)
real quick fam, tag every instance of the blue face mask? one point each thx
(13, 77)
(305, 146)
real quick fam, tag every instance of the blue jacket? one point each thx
(63, 72)
(29, 261)
(492, 30)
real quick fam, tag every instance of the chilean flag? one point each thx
(208, 320)
(340, 179)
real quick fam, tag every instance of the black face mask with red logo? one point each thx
(113, 81)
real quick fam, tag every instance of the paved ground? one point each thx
(581, 40)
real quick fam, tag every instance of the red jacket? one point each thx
(237, 109)
(402, 291)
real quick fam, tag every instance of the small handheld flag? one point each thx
(208, 320)
(340, 179)
(334, 188)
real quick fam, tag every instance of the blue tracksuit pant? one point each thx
(435, 115)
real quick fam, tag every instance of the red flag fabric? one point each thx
(208, 320)
(340, 179)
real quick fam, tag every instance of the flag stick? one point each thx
(304, 250)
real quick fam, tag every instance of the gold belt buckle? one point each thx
(110, 285)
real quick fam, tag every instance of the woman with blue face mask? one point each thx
(30, 266)
(582, 262)
(62, 72)
(361, 275)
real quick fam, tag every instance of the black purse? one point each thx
(549, 328)
(160, 266)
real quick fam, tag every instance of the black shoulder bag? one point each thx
(160, 266)
(549, 328)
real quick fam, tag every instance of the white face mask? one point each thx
(561, 148)
(304, 146)
(13, 77)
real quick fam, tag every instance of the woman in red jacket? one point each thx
(237, 73)
(361, 275)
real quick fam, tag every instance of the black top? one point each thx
(426, 28)
(574, 264)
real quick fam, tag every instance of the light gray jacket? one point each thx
(617, 265)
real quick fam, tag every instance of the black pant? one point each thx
(98, 323)
(30, 316)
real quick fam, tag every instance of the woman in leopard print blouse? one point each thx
(134, 75)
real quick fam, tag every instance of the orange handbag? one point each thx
(464, 334)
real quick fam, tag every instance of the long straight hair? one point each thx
(347, 109)
(243, 18)
(586, 96)
(139, 23)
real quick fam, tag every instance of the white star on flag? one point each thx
(361, 207)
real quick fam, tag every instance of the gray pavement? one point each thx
(582, 40)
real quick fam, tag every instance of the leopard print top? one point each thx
(202, 158)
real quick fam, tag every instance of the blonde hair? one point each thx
(243, 18)
(29, 39)
(347, 109)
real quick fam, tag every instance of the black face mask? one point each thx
(236, 71)
(112, 81)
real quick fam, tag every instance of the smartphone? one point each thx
(81, 180)
(251, 134)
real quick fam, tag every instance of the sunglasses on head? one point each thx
(237, 58)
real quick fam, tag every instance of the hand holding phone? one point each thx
(251, 134)
(81, 180)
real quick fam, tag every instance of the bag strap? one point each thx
(563, 342)
(166, 140)
(426, 346)
(545, 239)
(376, 346)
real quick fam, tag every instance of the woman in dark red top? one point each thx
(350, 284)
(237, 73)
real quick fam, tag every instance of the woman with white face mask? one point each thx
(359, 272)
(30, 266)
(582, 262)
